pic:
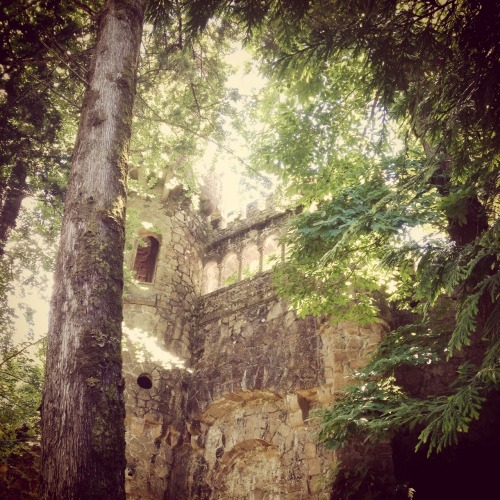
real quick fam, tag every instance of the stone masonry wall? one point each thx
(259, 372)
(158, 332)
(235, 375)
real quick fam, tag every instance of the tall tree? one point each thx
(83, 442)
(83, 391)
(43, 46)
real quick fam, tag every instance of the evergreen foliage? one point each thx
(382, 122)
(21, 378)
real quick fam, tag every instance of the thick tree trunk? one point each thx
(15, 190)
(476, 220)
(83, 442)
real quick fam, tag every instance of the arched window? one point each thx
(271, 252)
(251, 261)
(229, 269)
(145, 259)
(210, 277)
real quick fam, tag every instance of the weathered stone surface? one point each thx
(239, 349)
(158, 327)
(234, 373)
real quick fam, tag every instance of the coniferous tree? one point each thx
(83, 444)
(425, 73)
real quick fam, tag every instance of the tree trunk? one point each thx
(83, 441)
(15, 190)
(476, 219)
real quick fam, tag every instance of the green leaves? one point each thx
(181, 106)
(382, 126)
(455, 205)
(249, 14)
(20, 396)
(361, 413)
(443, 418)
(377, 405)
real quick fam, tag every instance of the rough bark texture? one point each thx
(83, 446)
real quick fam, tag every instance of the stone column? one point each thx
(239, 256)
(219, 278)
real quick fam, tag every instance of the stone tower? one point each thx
(221, 376)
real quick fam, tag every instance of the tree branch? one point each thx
(27, 346)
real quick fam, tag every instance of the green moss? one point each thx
(107, 438)
(92, 382)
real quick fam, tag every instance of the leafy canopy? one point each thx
(382, 122)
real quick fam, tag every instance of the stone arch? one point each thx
(210, 277)
(243, 447)
(230, 268)
(250, 259)
(252, 469)
(271, 251)
(145, 259)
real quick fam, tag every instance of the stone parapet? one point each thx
(247, 339)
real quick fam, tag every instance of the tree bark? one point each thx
(83, 436)
(15, 191)
(461, 233)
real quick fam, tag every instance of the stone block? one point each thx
(357, 363)
(296, 419)
(152, 431)
(135, 425)
(325, 394)
(342, 356)
(292, 401)
(275, 311)
(348, 326)
(355, 343)
(310, 450)
(314, 466)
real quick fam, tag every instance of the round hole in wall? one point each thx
(145, 381)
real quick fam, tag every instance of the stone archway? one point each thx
(251, 470)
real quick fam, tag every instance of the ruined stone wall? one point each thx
(259, 373)
(243, 248)
(256, 377)
(158, 333)
(236, 376)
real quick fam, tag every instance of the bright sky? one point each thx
(36, 300)
(248, 83)
(234, 197)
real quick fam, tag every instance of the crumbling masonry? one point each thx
(221, 375)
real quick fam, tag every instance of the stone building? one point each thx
(221, 376)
